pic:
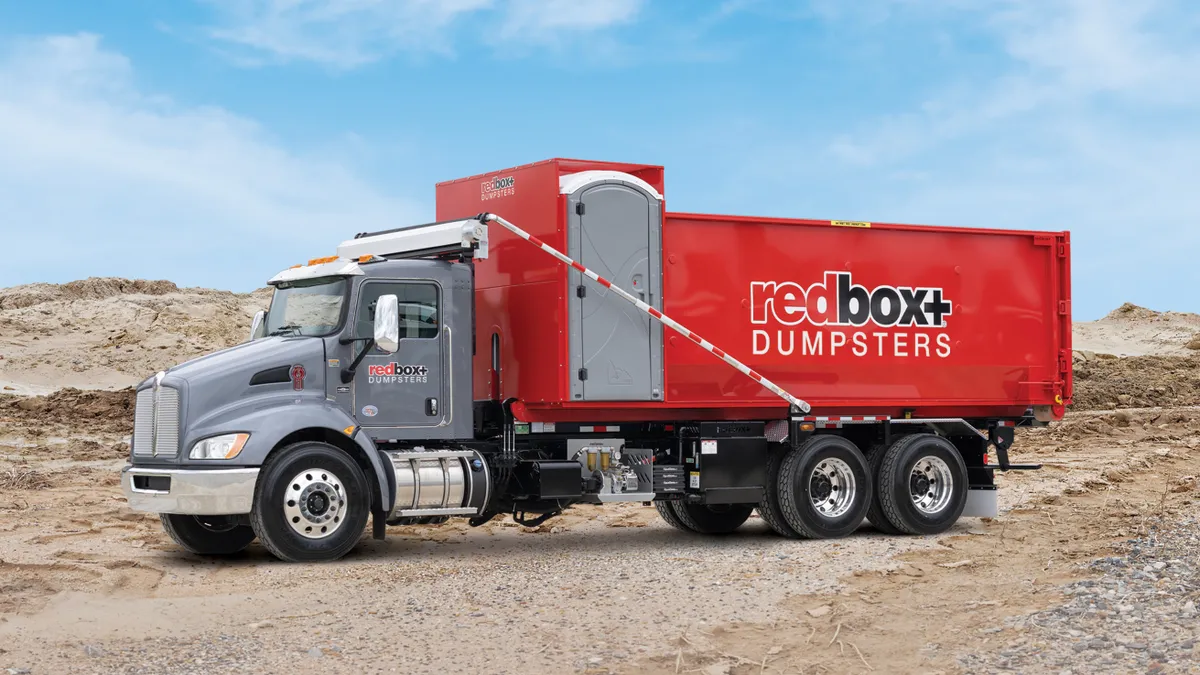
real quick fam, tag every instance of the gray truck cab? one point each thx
(368, 347)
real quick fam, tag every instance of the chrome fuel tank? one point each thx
(439, 483)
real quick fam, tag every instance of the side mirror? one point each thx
(258, 328)
(387, 324)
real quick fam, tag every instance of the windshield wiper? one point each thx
(291, 327)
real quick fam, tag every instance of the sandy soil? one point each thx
(1130, 330)
(112, 333)
(87, 585)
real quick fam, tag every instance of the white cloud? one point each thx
(100, 177)
(541, 19)
(351, 33)
(1090, 127)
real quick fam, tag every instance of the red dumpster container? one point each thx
(856, 318)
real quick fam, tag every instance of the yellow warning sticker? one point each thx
(848, 223)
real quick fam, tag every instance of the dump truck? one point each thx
(557, 337)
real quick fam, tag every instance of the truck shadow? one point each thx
(752, 537)
(501, 545)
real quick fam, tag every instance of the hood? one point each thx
(265, 352)
(223, 379)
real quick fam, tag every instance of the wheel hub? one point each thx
(930, 484)
(318, 504)
(832, 487)
(314, 503)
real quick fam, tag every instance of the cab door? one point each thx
(406, 389)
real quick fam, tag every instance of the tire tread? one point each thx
(879, 520)
(667, 513)
(256, 514)
(890, 506)
(223, 543)
(697, 523)
(770, 510)
(790, 509)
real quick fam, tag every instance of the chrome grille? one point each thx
(143, 423)
(156, 422)
(166, 422)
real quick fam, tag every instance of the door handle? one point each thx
(431, 407)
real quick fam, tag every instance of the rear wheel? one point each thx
(875, 514)
(712, 518)
(923, 484)
(769, 509)
(824, 488)
(208, 535)
(311, 503)
(668, 514)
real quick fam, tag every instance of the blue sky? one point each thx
(214, 142)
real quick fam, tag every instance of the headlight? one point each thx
(226, 446)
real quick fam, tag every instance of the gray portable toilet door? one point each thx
(615, 229)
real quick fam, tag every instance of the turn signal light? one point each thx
(807, 426)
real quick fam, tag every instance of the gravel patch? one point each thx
(1139, 616)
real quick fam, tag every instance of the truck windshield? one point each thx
(310, 307)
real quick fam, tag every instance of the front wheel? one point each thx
(208, 535)
(311, 503)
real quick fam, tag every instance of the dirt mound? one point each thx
(1132, 330)
(107, 333)
(92, 288)
(1105, 382)
(87, 411)
(1130, 311)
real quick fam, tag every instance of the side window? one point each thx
(419, 317)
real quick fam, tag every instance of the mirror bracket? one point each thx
(348, 371)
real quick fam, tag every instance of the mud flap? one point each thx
(981, 503)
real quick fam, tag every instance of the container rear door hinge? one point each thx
(579, 208)
(583, 374)
(581, 291)
(1064, 361)
(1064, 307)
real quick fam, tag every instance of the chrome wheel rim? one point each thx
(314, 503)
(832, 487)
(930, 484)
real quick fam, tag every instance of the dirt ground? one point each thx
(86, 585)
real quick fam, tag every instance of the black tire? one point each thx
(276, 479)
(898, 486)
(207, 535)
(798, 485)
(875, 514)
(668, 514)
(712, 519)
(769, 510)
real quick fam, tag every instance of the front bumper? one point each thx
(204, 492)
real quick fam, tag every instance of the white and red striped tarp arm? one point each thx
(666, 320)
